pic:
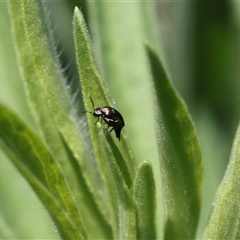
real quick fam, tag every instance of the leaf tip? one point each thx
(76, 10)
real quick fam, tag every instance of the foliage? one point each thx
(83, 176)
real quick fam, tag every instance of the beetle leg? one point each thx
(107, 127)
(91, 101)
(100, 127)
(96, 121)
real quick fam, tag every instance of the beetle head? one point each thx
(97, 112)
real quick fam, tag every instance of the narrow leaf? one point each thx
(145, 198)
(224, 220)
(34, 90)
(180, 156)
(92, 86)
(88, 74)
(36, 164)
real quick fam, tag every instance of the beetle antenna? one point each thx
(92, 105)
(92, 102)
(87, 112)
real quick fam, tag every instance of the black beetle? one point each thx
(111, 117)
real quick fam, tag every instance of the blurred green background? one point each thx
(199, 45)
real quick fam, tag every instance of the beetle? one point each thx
(110, 116)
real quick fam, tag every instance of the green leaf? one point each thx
(145, 198)
(35, 93)
(93, 86)
(37, 165)
(180, 157)
(224, 220)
